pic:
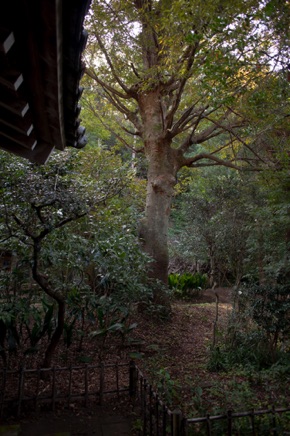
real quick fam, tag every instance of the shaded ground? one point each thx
(100, 424)
(208, 296)
(175, 357)
(165, 339)
(76, 421)
(180, 348)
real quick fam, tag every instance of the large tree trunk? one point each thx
(154, 230)
(154, 227)
(162, 170)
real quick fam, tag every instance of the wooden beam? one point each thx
(23, 125)
(12, 79)
(13, 101)
(26, 141)
(39, 154)
(7, 40)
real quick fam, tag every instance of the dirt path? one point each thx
(180, 347)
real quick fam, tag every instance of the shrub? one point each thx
(186, 285)
(258, 331)
(268, 306)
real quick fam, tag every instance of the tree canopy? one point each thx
(189, 84)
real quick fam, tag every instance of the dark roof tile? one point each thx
(41, 43)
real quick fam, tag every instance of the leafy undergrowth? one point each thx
(174, 356)
(177, 355)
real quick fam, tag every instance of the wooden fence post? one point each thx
(2, 394)
(86, 386)
(176, 422)
(102, 383)
(252, 418)
(229, 419)
(144, 406)
(164, 419)
(208, 425)
(274, 421)
(54, 391)
(133, 379)
(20, 389)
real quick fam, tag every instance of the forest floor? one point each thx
(174, 354)
(177, 354)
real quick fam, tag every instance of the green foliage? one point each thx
(22, 313)
(210, 220)
(118, 265)
(236, 393)
(154, 301)
(68, 332)
(243, 426)
(186, 285)
(78, 213)
(233, 225)
(156, 311)
(217, 361)
(42, 324)
(167, 387)
(99, 317)
(248, 349)
(112, 318)
(269, 307)
(258, 333)
(203, 81)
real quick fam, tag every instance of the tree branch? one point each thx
(190, 162)
(109, 62)
(185, 122)
(38, 209)
(189, 59)
(106, 86)
(230, 129)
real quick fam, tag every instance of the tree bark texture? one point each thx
(59, 299)
(54, 341)
(162, 170)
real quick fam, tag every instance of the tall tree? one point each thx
(179, 73)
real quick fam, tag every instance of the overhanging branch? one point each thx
(110, 64)
(192, 162)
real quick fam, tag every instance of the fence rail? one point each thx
(24, 387)
(19, 388)
(272, 421)
(159, 420)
